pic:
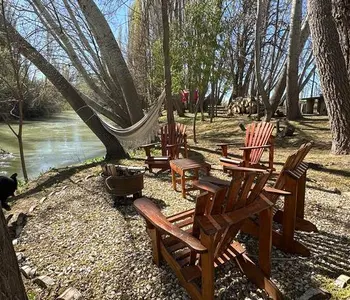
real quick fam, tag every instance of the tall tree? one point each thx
(166, 51)
(292, 103)
(333, 73)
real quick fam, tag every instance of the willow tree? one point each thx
(333, 72)
(74, 98)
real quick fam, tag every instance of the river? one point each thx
(61, 140)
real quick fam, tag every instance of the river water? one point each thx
(60, 140)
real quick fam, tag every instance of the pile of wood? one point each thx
(119, 170)
(240, 105)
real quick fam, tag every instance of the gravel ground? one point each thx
(80, 238)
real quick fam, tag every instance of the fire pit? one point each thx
(123, 181)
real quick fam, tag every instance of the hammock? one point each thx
(141, 132)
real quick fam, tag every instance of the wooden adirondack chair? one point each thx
(197, 241)
(290, 183)
(258, 138)
(172, 139)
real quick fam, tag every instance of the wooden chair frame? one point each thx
(291, 185)
(196, 241)
(258, 138)
(172, 139)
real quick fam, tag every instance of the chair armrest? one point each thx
(206, 186)
(174, 145)
(244, 169)
(149, 145)
(153, 215)
(272, 190)
(224, 147)
(210, 225)
(255, 147)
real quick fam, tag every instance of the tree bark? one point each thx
(333, 73)
(341, 14)
(11, 284)
(166, 52)
(114, 58)
(292, 103)
(113, 147)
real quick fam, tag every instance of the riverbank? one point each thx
(63, 139)
(77, 236)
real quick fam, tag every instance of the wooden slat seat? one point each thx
(215, 222)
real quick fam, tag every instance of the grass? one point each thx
(337, 292)
(326, 170)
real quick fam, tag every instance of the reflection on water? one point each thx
(61, 140)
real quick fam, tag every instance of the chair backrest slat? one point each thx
(294, 163)
(258, 134)
(170, 135)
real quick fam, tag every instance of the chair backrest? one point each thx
(244, 190)
(294, 166)
(258, 134)
(172, 134)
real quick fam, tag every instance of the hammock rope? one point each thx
(141, 132)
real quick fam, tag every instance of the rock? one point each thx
(8, 218)
(15, 242)
(315, 294)
(42, 200)
(52, 193)
(89, 176)
(31, 209)
(28, 272)
(70, 294)
(44, 281)
(20, 257)
(19, 219)
(342, 281)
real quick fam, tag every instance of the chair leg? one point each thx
(173, 179)
(155, 237)
(207, 264)
(256, 276)
(265, 241)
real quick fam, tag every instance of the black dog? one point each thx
(7, 189)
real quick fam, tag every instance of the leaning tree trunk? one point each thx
(11, 284)
(333, 73)
(113, 56)
(292, 103)
(113, 147)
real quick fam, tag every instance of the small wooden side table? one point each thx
(180, 166)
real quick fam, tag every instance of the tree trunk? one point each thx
(113, 147)
(292, 103)
(341, 13)
(167, 74)
(333, 73)
(257, 56)
(11, 284)
(114, 58)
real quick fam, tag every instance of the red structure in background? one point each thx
(184, 96)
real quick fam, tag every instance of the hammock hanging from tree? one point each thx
(141, 132)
